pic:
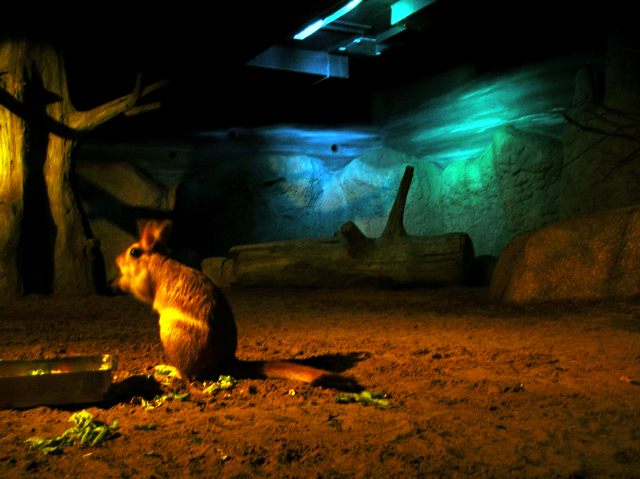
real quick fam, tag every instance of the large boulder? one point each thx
(588, 258)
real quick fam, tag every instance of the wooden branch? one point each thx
(625, 161)
(90, 119)
(153, 87)
(605, 135)
(395, 223)
(134, 96)
(18, 108)
(600, 131)
(136, 110)
(355, 240)
(584, 151)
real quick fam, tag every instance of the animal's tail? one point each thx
(296, 372)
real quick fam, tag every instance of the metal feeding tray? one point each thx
(58, 381)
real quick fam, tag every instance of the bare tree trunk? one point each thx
(12, 174)
(73, 271)
(36, 149)
(11, 201)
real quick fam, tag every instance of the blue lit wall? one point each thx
(313, 179)
(238, 185)
(459, 124)
(335, 146)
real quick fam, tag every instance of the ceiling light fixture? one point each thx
(403, 8)
(318, 24)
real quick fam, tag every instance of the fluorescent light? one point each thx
(343, 11)
(318, 24)
(310, 30)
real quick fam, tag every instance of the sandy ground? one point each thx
(475, 389)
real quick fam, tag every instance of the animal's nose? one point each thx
(113, 287)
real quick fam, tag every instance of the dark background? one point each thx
(202, 49)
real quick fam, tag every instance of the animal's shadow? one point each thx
(125, 391)
(146, 386)
(336, 364)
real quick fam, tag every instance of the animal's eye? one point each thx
(135, 252)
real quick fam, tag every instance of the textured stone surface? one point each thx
(277, 197)
(121, 182)
(470, 202)
(527, 169)
(510, 189)
(521, 182)
(364, 190)
(115, 195)
(261, 198)
(588, 258)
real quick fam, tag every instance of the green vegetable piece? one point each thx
(366, 398)
(86, 436)
(102, 435)
(178, 397)
(166, 370)
(86, 431)
(223, 383)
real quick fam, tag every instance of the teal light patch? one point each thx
(452, 155)
(460, 124)
(403, 8)
(479, 124)
(310, 30)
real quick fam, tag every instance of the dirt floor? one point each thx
(474, 389)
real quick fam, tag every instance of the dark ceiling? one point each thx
(202, 48)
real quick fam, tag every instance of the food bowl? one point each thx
(55, 382)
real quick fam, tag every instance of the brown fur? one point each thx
(197, 326)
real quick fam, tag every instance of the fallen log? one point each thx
(350, 257)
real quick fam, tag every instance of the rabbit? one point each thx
(197, 325)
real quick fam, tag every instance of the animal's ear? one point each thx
(155, 234)
(163, 231)
(141, 224)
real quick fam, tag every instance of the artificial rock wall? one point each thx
(509, 189)
(520, 182)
